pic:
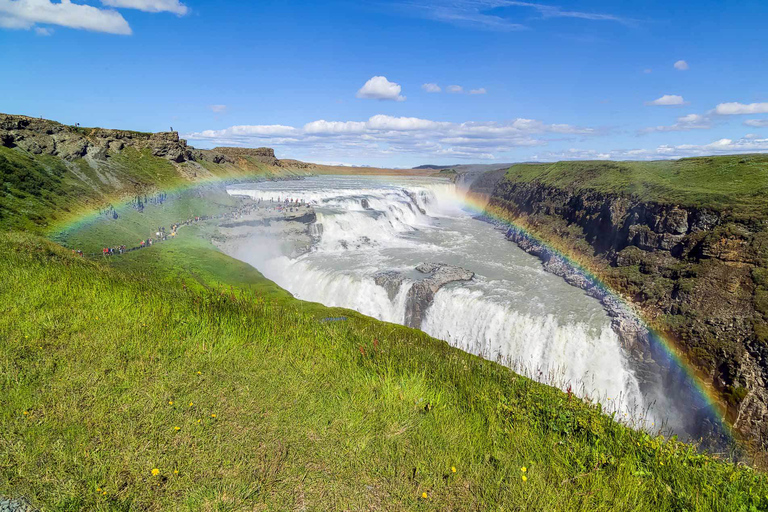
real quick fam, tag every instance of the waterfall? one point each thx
(511, 312)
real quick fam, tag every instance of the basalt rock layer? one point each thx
(696, 271)
(41, 136)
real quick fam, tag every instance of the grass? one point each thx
(736, 183)
(176, 378)
(245, 399)
(43, 194)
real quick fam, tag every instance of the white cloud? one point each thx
(681, 65)
(481, 90)
(334, 127)
(757, 123)
(173, 6)
(42, 31)
(667, 100)
(683, 124)
(431, 87)
(379, 88)
(455, 89)
(717, 147)
(488, 14)
(25, 14)
(734, 108)
(384, 136)
(219, 109)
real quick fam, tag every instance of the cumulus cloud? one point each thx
(667, 100)
(481, 90)
(25, 14)
(218, 109)
(42, 31)
(431, 87)
(379, 88)
(757, 123)
(388, 135)
(173, 6)
(681, 65)
(734, 108)
(683, 124)
(455, 89)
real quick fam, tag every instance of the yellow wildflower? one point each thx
(104, 493)
(213, 415)
(175, 471)
(177, 428)
(525, 478)
(98, 489)
(424, 495)
(25, 413)
(523, 469)
(155, 472)
(191, 404)
(453, 469)
(199, 421)
(199, 373)
(170, 402)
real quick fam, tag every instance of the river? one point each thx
(512, 311)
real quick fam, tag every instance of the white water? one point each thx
(512, 311)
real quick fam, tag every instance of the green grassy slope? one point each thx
(241, 400)
(42, 193)
(736, 182)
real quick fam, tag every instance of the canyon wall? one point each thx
(698, 273)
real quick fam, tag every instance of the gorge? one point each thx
(411, 251)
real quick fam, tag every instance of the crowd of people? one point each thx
(162, 235)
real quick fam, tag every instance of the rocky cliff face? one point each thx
(41, 136)
(422, 292)
(696, 272)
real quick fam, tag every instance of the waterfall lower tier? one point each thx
(369, 238)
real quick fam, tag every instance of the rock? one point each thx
(390, 280)
(676, 221)
(422, 292)
(16, 505)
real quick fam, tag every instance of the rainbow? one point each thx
(706, 398)
(91, 215)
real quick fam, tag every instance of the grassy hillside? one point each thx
(41, 193)
(738, 183)
(177, 378)
(122, 389)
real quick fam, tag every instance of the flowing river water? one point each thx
(512, 311)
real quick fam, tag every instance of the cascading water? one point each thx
(511, 311)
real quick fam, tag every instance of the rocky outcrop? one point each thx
(40, 136)
(263, 155)
(423, 291)
(391, 281)
(16, 505)
(690, 269)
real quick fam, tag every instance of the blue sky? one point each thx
(350, 82)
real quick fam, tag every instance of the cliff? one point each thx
(685, 241)
(50, 172)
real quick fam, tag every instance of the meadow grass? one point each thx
(735, 183)
(242, 399)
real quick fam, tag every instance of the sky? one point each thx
(401, 83)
